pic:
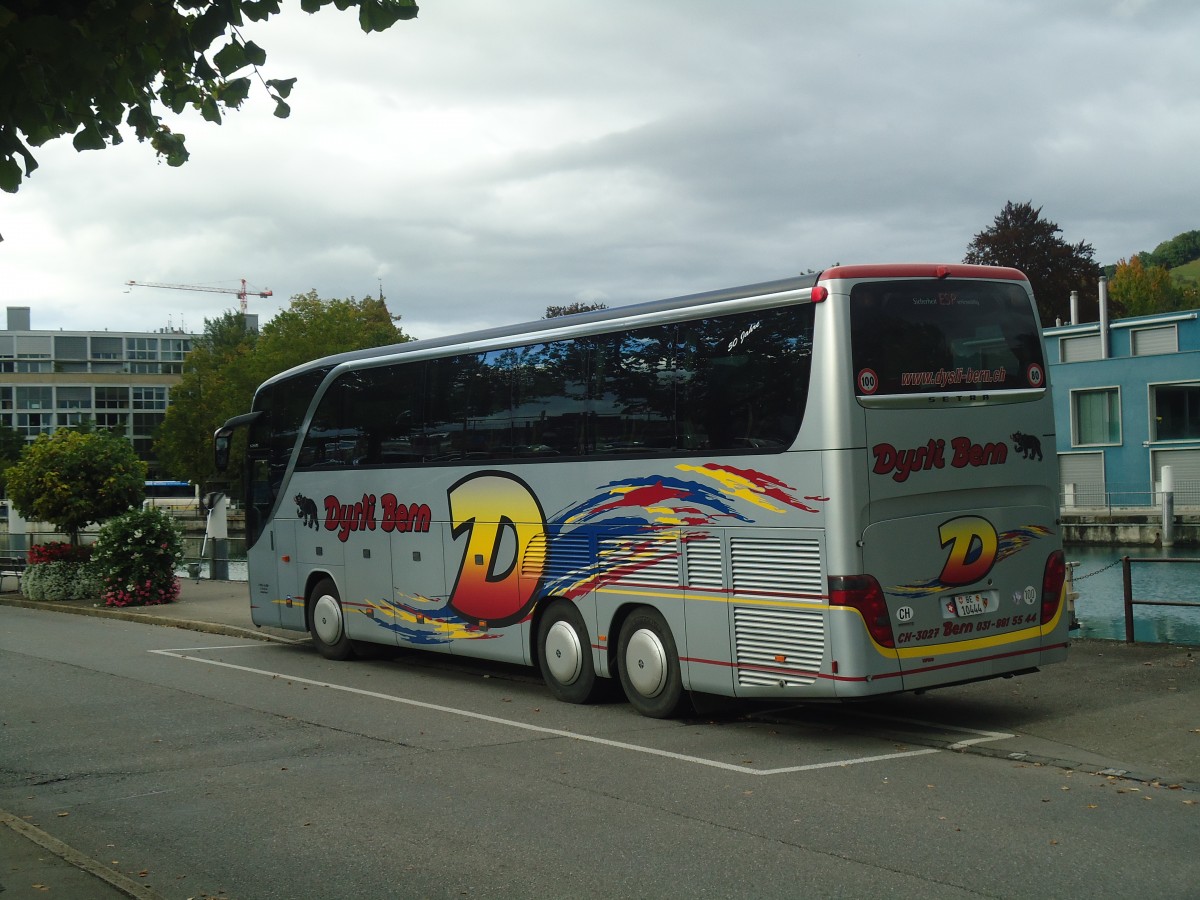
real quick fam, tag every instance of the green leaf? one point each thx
(255, 54)
(258, 10)
(203, 70)
(210, 111)
(230, 58)
(10, 176)
(281, 86)
(282, 110)
(89, 138)
(235, 92)
(208, 27)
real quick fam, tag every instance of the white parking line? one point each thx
(980, 736)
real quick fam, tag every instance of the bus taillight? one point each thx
(1052, 584)
(862, 592)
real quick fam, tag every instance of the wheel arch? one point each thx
(315, 577)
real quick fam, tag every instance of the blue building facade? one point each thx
(1127, 403)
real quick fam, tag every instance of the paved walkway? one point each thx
(1130, 711)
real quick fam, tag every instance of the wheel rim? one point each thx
(646, 663)
(564, 653)
(327, 619)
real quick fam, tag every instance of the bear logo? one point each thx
(1028, 444)
(306, 511)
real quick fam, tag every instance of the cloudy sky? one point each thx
(488, 159)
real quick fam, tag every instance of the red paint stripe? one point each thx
(772, 670)
(723, 664)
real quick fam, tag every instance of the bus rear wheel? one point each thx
(649, 665)
(327, 623)
(565, 653)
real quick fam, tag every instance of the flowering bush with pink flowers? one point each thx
(136, 555)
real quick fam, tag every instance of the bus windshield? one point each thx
(943, 336)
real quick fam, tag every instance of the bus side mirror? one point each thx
(221, 452)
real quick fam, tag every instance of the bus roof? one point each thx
(652, 307)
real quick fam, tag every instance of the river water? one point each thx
(1100, 608)
(1101, 604)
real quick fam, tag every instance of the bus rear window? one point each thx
(944, 336)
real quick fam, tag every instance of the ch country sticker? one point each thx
(501, 521)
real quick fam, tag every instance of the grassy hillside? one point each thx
(1187, 274)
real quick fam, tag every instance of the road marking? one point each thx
(184, 653)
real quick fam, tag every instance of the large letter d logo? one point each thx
(973, 544)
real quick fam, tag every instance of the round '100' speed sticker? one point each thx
(1034, 375)
(868, 381)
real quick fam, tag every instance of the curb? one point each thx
(126, 615)
(69, 854)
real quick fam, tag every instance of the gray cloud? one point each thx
(486, 161)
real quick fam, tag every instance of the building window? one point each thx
(149, 398)
(141, 348)
(35, 398)
(1096, 417)
(33, 424)
(112, 398)
(1176, 412)
(74, 398)
(174, 349)
(106, 347)
(1149, 341)
(1082, 348)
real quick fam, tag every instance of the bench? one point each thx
(12, 567)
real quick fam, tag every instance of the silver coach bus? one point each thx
(830, 486)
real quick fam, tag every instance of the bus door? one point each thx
(290, 591)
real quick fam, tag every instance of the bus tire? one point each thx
(648, 663)
(327, 622)
(565, 653)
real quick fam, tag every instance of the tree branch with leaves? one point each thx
(96, 69)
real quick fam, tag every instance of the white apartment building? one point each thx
(121, 380)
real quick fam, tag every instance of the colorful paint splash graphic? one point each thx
(629, 530)
(636, 522)
(1008, 544)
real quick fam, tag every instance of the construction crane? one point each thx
(241, 292)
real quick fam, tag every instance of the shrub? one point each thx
(59, 551)
(136, 555)
(59, 571)
(61, 580)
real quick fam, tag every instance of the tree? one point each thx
(1021, 238)
(311, 328)
(94, 69)
(553, 312)
(12, 442)
(1178, 251)
(227, 364)
(1137, 289)
(217, 383)
(72, 479)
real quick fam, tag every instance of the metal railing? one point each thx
(1127, 582)
(1124, 496)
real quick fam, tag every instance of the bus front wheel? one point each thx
(649, 665)
(327, 624)
(565, 653)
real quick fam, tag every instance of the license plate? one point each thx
(970, 604)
